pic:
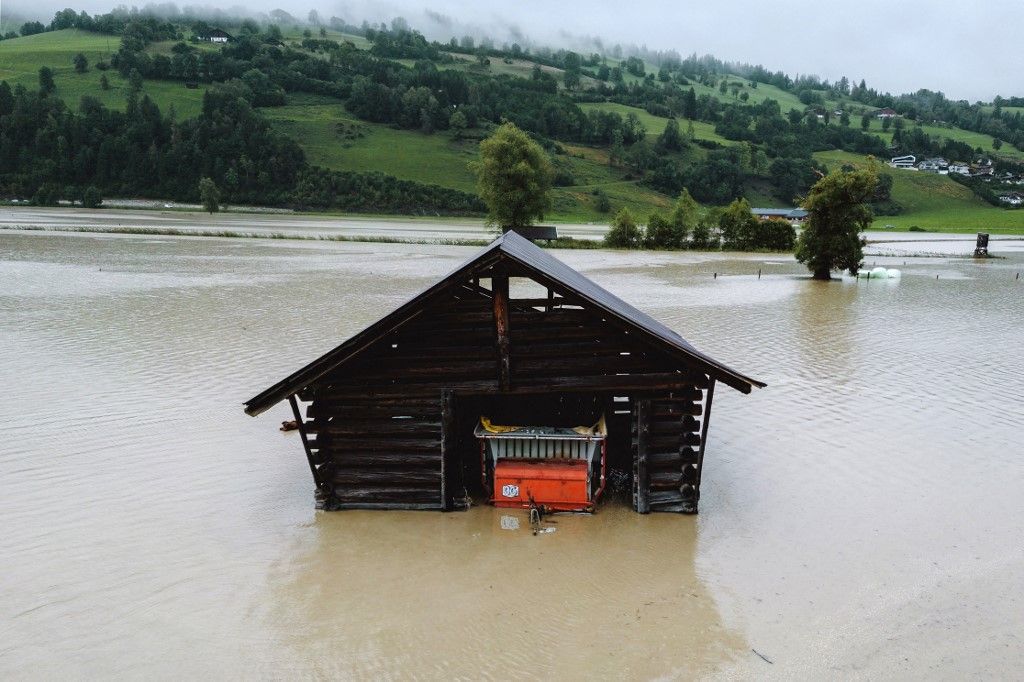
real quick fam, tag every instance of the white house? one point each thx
(959, 168)
(218, 36)
(886, 113)
(1013, 199)
(908, 162)
(935, 165)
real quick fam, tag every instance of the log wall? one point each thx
(375, 425)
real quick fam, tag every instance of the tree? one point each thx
(865, 122)
(601, 201)
(670, 139)
(134, 80)
(92, 198)
(209, 195)
(6, 99)
(31, 28)
(571, 79)
(81, 63)
(684, 218)
(838, 210)
(997, 144)
(104, 83)
(457, 123)
(844, 120)
(624, 233)
(659, 233)
(46, 84)
(739, 226)
(513, 178)
(704, 234)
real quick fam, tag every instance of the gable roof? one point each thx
(543, 265)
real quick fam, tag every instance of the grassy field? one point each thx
(332, 138)
(934, 202)
(656, 124)
(21, 59)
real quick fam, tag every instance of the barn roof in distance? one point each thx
(534, 260)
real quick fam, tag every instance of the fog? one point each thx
(964, 49)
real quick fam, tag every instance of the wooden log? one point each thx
(384, 458)
(380, 428)
(387, 477)
(392, 444)
(666, 479)
(392, 494)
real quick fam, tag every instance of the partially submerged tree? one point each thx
(838, 210)
(209, 195)
(624, 232)
(513, 177)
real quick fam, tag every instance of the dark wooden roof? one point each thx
(547, 269)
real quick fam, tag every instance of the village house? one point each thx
(886, 113)
(1012, 199)
(908, 162)
(793, 215)
(959, 168)
(934, 165)
(217, 35)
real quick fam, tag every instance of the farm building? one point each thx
(218, 35)
(513, 368)
(793, 215)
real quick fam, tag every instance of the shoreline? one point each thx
(593, 230)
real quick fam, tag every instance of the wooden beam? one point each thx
(501, 327)
(704, 431)
(642, 482)
(448, 440)
(305, 440)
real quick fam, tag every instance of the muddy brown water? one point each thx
(862, 517)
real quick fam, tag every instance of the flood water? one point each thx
(861, 517)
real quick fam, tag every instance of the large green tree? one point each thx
(838, 210)
(513, 177)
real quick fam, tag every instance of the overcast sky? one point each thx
(966, 48)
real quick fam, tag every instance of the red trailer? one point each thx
(556, 469)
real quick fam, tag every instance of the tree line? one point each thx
(49, 152)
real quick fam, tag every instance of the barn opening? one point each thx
(504, 372)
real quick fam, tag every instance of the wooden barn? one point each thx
(391, 418)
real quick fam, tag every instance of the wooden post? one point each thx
(704, 430)
(501, 327)
(642, 483)
(305, 440)
(551, 300)
(448, 442)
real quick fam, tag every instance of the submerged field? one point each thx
(186, 544)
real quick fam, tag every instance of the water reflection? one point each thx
(458, 595)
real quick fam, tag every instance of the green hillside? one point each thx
(21, 59)
(656, 124)
(335, 139)
(933, 202)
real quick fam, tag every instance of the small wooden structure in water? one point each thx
(387, 418)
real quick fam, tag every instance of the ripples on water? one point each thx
(861, 515)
